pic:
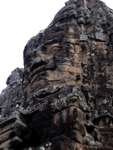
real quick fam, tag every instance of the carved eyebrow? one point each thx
(57, 45)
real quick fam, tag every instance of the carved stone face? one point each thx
(70, 53)
(55, 63)
(74, 52)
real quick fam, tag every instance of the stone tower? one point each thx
(66, 85)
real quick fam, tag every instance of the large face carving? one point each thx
(55, 62)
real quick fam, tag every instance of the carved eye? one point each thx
(54, 48)
(69, 45)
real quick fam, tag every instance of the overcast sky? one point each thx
(19, 21)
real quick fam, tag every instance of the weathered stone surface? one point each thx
(12, 97)
(64, 94)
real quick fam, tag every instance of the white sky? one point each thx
(19, 21)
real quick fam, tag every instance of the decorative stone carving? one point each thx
(64, 93)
